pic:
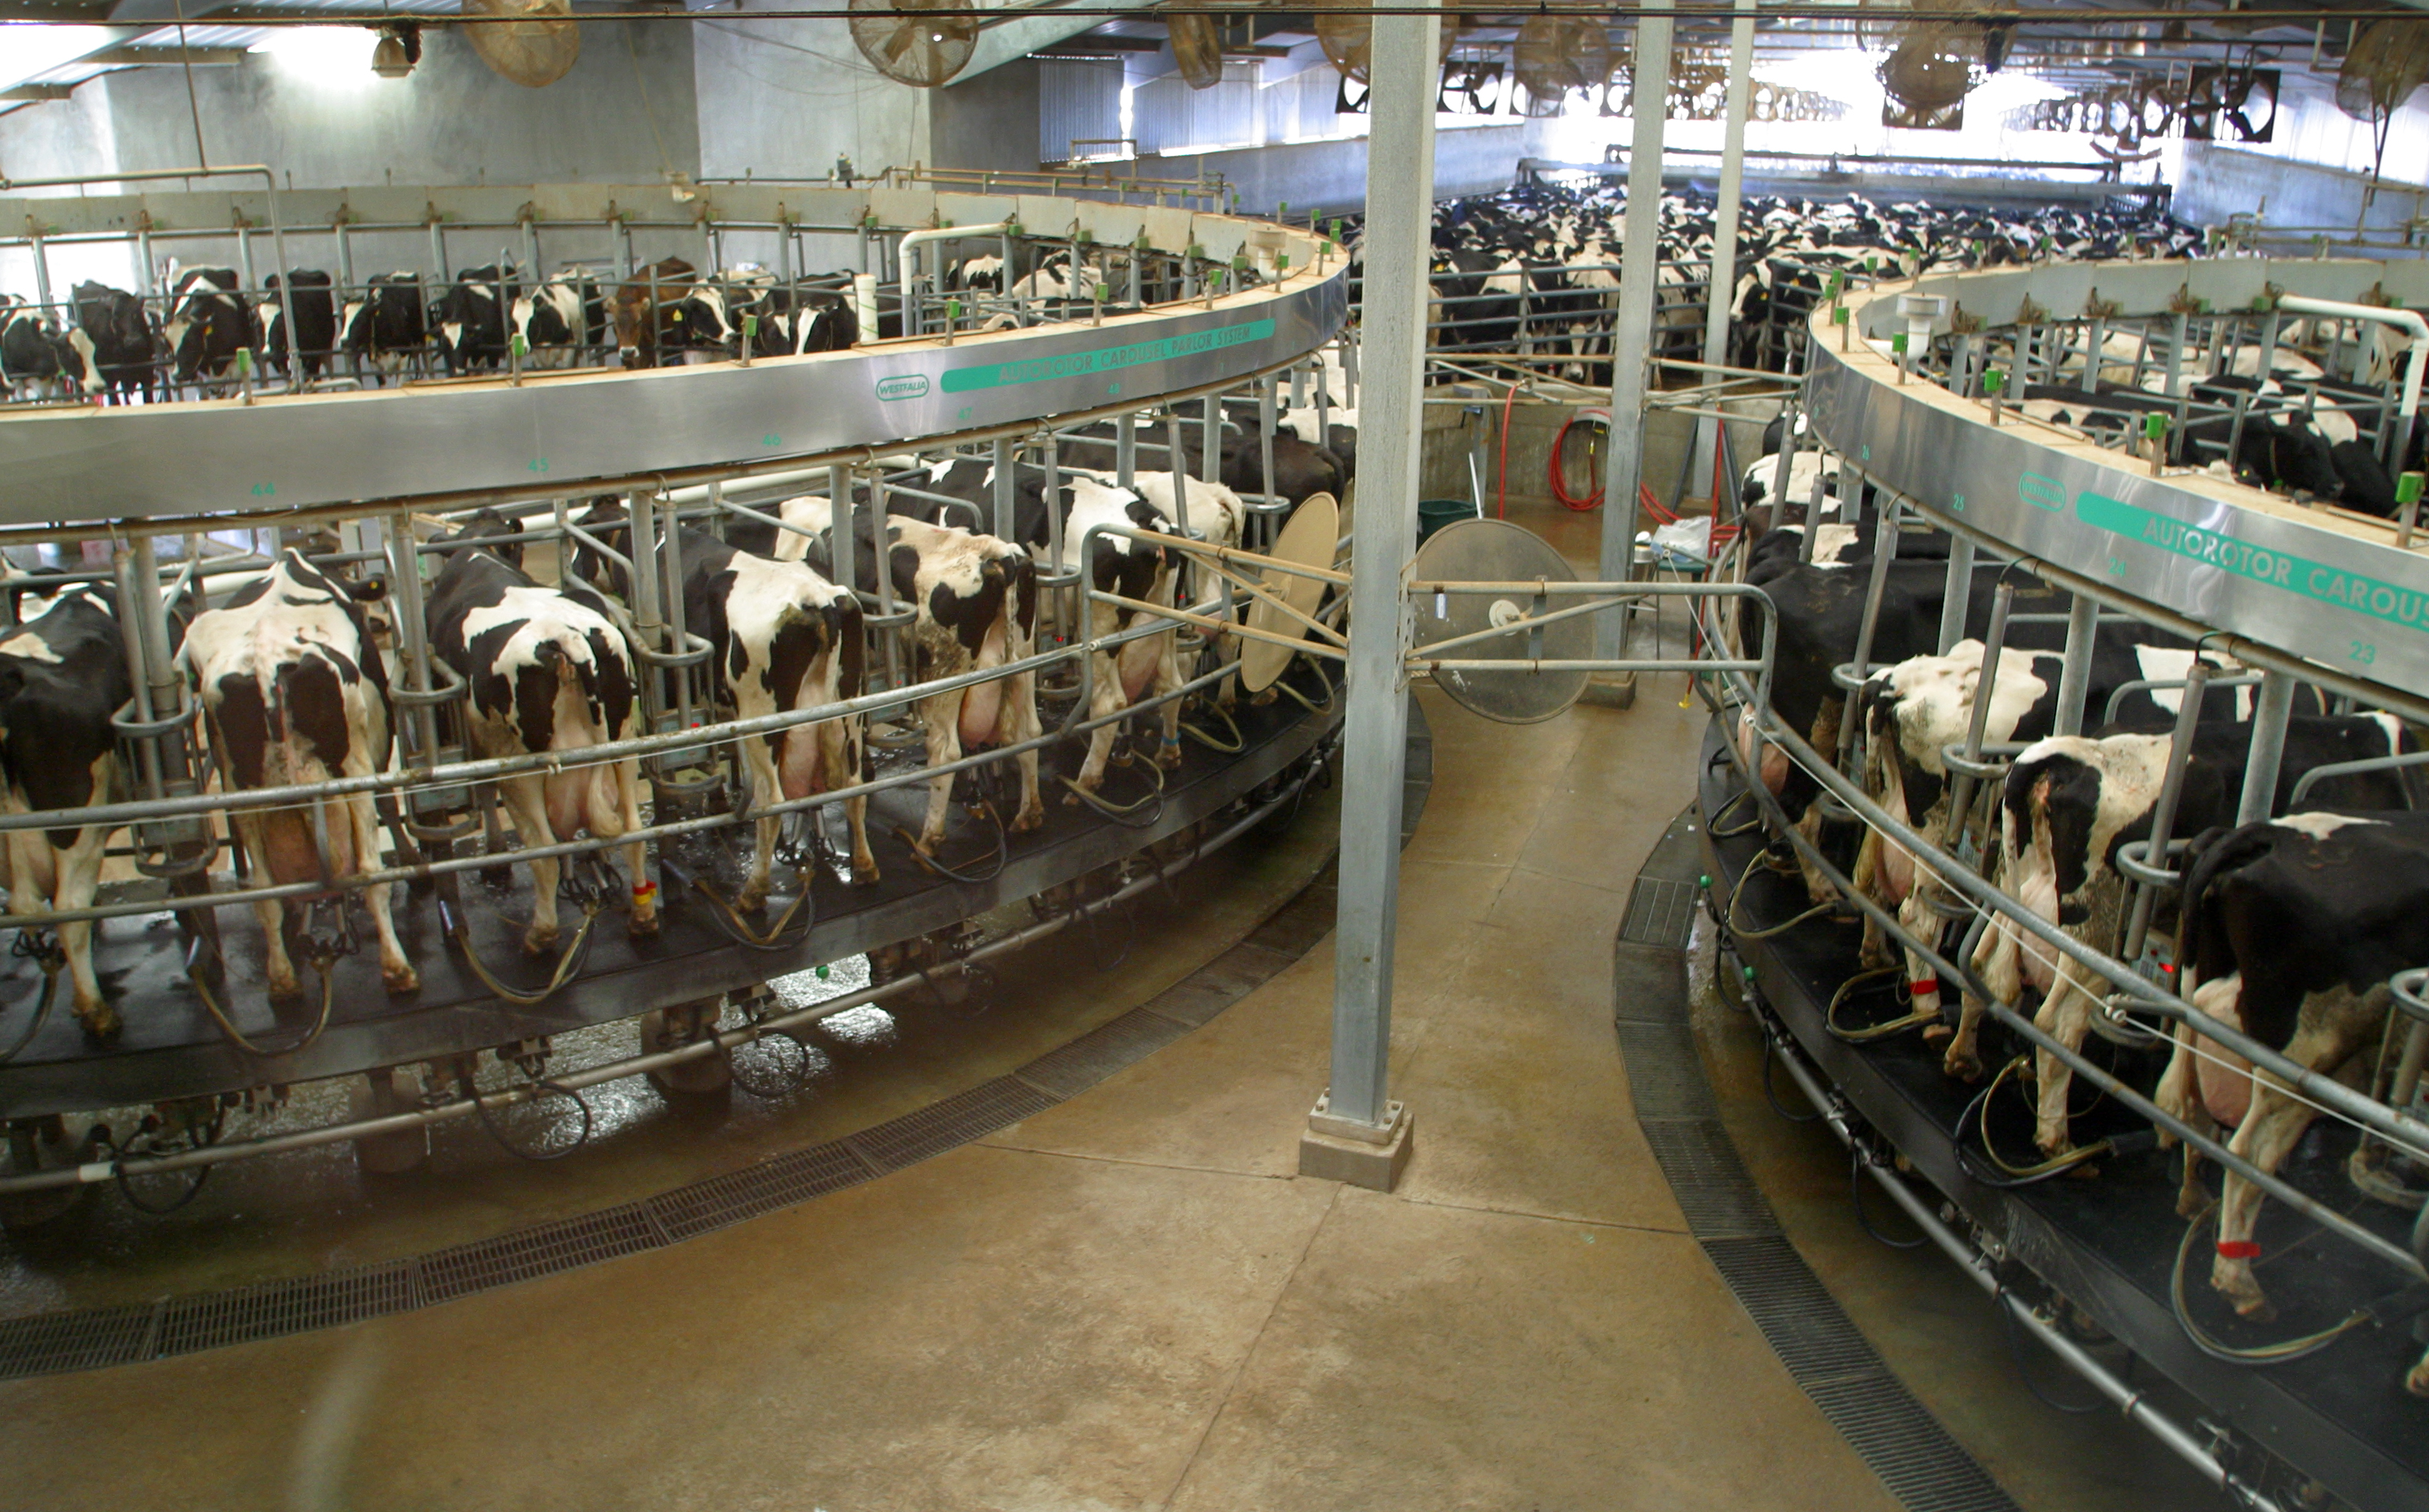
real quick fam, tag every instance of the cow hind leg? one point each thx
(1019, 726)
(278, 971)
(527, 801)
(636, 854)
(944, 747)
(2269, 1131)
(1168, 680)
(1105, 700)
(839, 754)
(396, 973)
(759, 765)
(77, 869)
(2066, 1016)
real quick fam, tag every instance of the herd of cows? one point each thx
(2287, 928)
(290, 664)
(1536, 267)
(116, 348)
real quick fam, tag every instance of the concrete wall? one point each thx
(1331, 176)
(452, 121)
(2218, 181)
(990, 122)
(782, 99)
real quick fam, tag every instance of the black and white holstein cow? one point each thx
(62, 676)
(386, 327)
(2293, 926)
(1143, 571)
(316, 325)
(2070, 803)
(976, 597)
(785, 638)
(550, 672)
(36, 360)
(1915, 711)
(560, 321)
(209, 323)
(296, 692)
(468, 321)
(125, 347)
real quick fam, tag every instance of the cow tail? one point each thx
(2201, 941)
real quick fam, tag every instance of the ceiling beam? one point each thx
(171, 56)
(30, 93)
(1095, 45)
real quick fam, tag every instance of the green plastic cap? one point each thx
(1994, 381)
(2407, 489)
(1839, 316)
(953, 310)
(2153, 426)
(749, 327)
(1897, 343)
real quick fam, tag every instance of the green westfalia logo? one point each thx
(905, 386)
(2299, 575)
(1103, 359)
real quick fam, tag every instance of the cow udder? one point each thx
(983, 704)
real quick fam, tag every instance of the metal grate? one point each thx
(1903, 1444)
(719, 1200)
(291, 1306)
(1719, 1199)
(949, 1124)
(536, 1252)
(75, 1341)
(1099, 1053)
(1660, 913)
(1811, 1335)
(1665, 1075)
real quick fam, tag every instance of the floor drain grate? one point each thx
(1094, 1056)
(1660, 913)
(1812, 1338)
(75, 1341)
(720, 1201)
(291, 1306)
(536, 1252)
(1718, 1198)
(955, 1121)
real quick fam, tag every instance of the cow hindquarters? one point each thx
(841, 760)
(1017, 725)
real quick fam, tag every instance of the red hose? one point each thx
(1560, 484)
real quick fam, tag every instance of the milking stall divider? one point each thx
(1910, 387)
(698, 443)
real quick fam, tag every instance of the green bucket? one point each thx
(1433, 513)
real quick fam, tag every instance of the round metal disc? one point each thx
(1495, 551)
(1306, 541)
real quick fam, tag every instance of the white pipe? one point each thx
(2410, 321)
(864, 304)
(942, 233)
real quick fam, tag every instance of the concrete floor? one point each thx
(1132, 1301)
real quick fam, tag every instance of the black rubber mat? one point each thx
(1828, 1357)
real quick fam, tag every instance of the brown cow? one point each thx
(648, 312)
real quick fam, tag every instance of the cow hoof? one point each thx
(1169, 757)
(2252, 1306)
(1028, 819)
(1934, 1033)
(1962, 1064)
(2054, 1144)
(640, 926)
(401, 978)
(100, 1021)
(539, 941)
(2194, 1201)
(865, 874)
(2418, 1381)
(283, 987)
(752, 900)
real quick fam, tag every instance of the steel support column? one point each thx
(1356, 1133)
(1721, 285)
(1632, 334)
(2074, 677)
